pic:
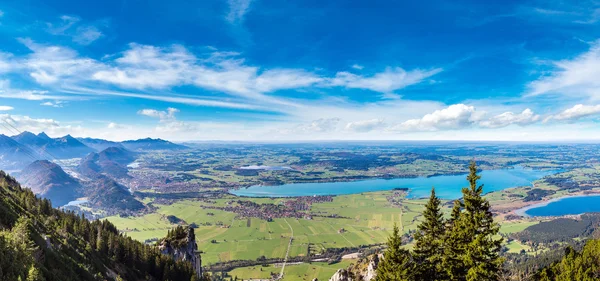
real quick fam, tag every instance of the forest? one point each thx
(38, 242)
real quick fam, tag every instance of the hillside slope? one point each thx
(38, 242)
(48, 180)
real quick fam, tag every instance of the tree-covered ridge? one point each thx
(583, 265)
(38, 242)
(464, 247)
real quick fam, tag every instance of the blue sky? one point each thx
(302, 70)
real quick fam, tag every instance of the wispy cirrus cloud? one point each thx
(6, 91)
(391, 79)
(237, 10)
(56, 103)
(153, 69)
(70, 26)
(577, 77)
(47, 64)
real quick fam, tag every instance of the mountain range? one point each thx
(19, 150)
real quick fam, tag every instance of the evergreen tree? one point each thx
(428, 250)
(397, 264)
(482, 251)
(455, 240)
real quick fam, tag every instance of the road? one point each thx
(288, 250)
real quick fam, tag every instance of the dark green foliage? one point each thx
(583, 265)
(454, 246)
(38, 242)
(560, 229)
(477, 224)
(465, 247)
(429, 247)
(397, 264)
(537, 194)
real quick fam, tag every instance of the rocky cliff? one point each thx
(363, 270)
(181, 244)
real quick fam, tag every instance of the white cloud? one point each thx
(390, 80)
(318, 126)
(7, 92)
(456, 116)
(167, 115)
(113, 125)
(526, 117)
(36, 125)
(143, 66)
(83, 34)
(6, 108)
(461, 116)
(56, 103)
(150, 67)
(279, 79)
(49, 64)
(5, 64)
(321, 125)
(365, 125)
(577, 77)
(155, 70)
(237, 10)
(357, 66)
(577, 112)
(66, 22)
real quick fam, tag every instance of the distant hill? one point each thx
(109, 194)
(117, 154)
(99, 144)
(38, 242)
(111, 162)
(14, 155)
(151, 144)
(48, 180)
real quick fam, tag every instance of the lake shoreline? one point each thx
(447, 186)
(523, 211)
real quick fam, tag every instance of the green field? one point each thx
(368, 219)
(293, 272)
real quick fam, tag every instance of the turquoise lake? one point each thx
(567, 206)
(447, 187)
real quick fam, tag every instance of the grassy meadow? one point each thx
(366, 219)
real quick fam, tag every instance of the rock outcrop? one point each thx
(341, 275)
(371, 269)
(181, 245)
(361, 271)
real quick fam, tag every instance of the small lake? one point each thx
(573, 205)
(446, 187)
